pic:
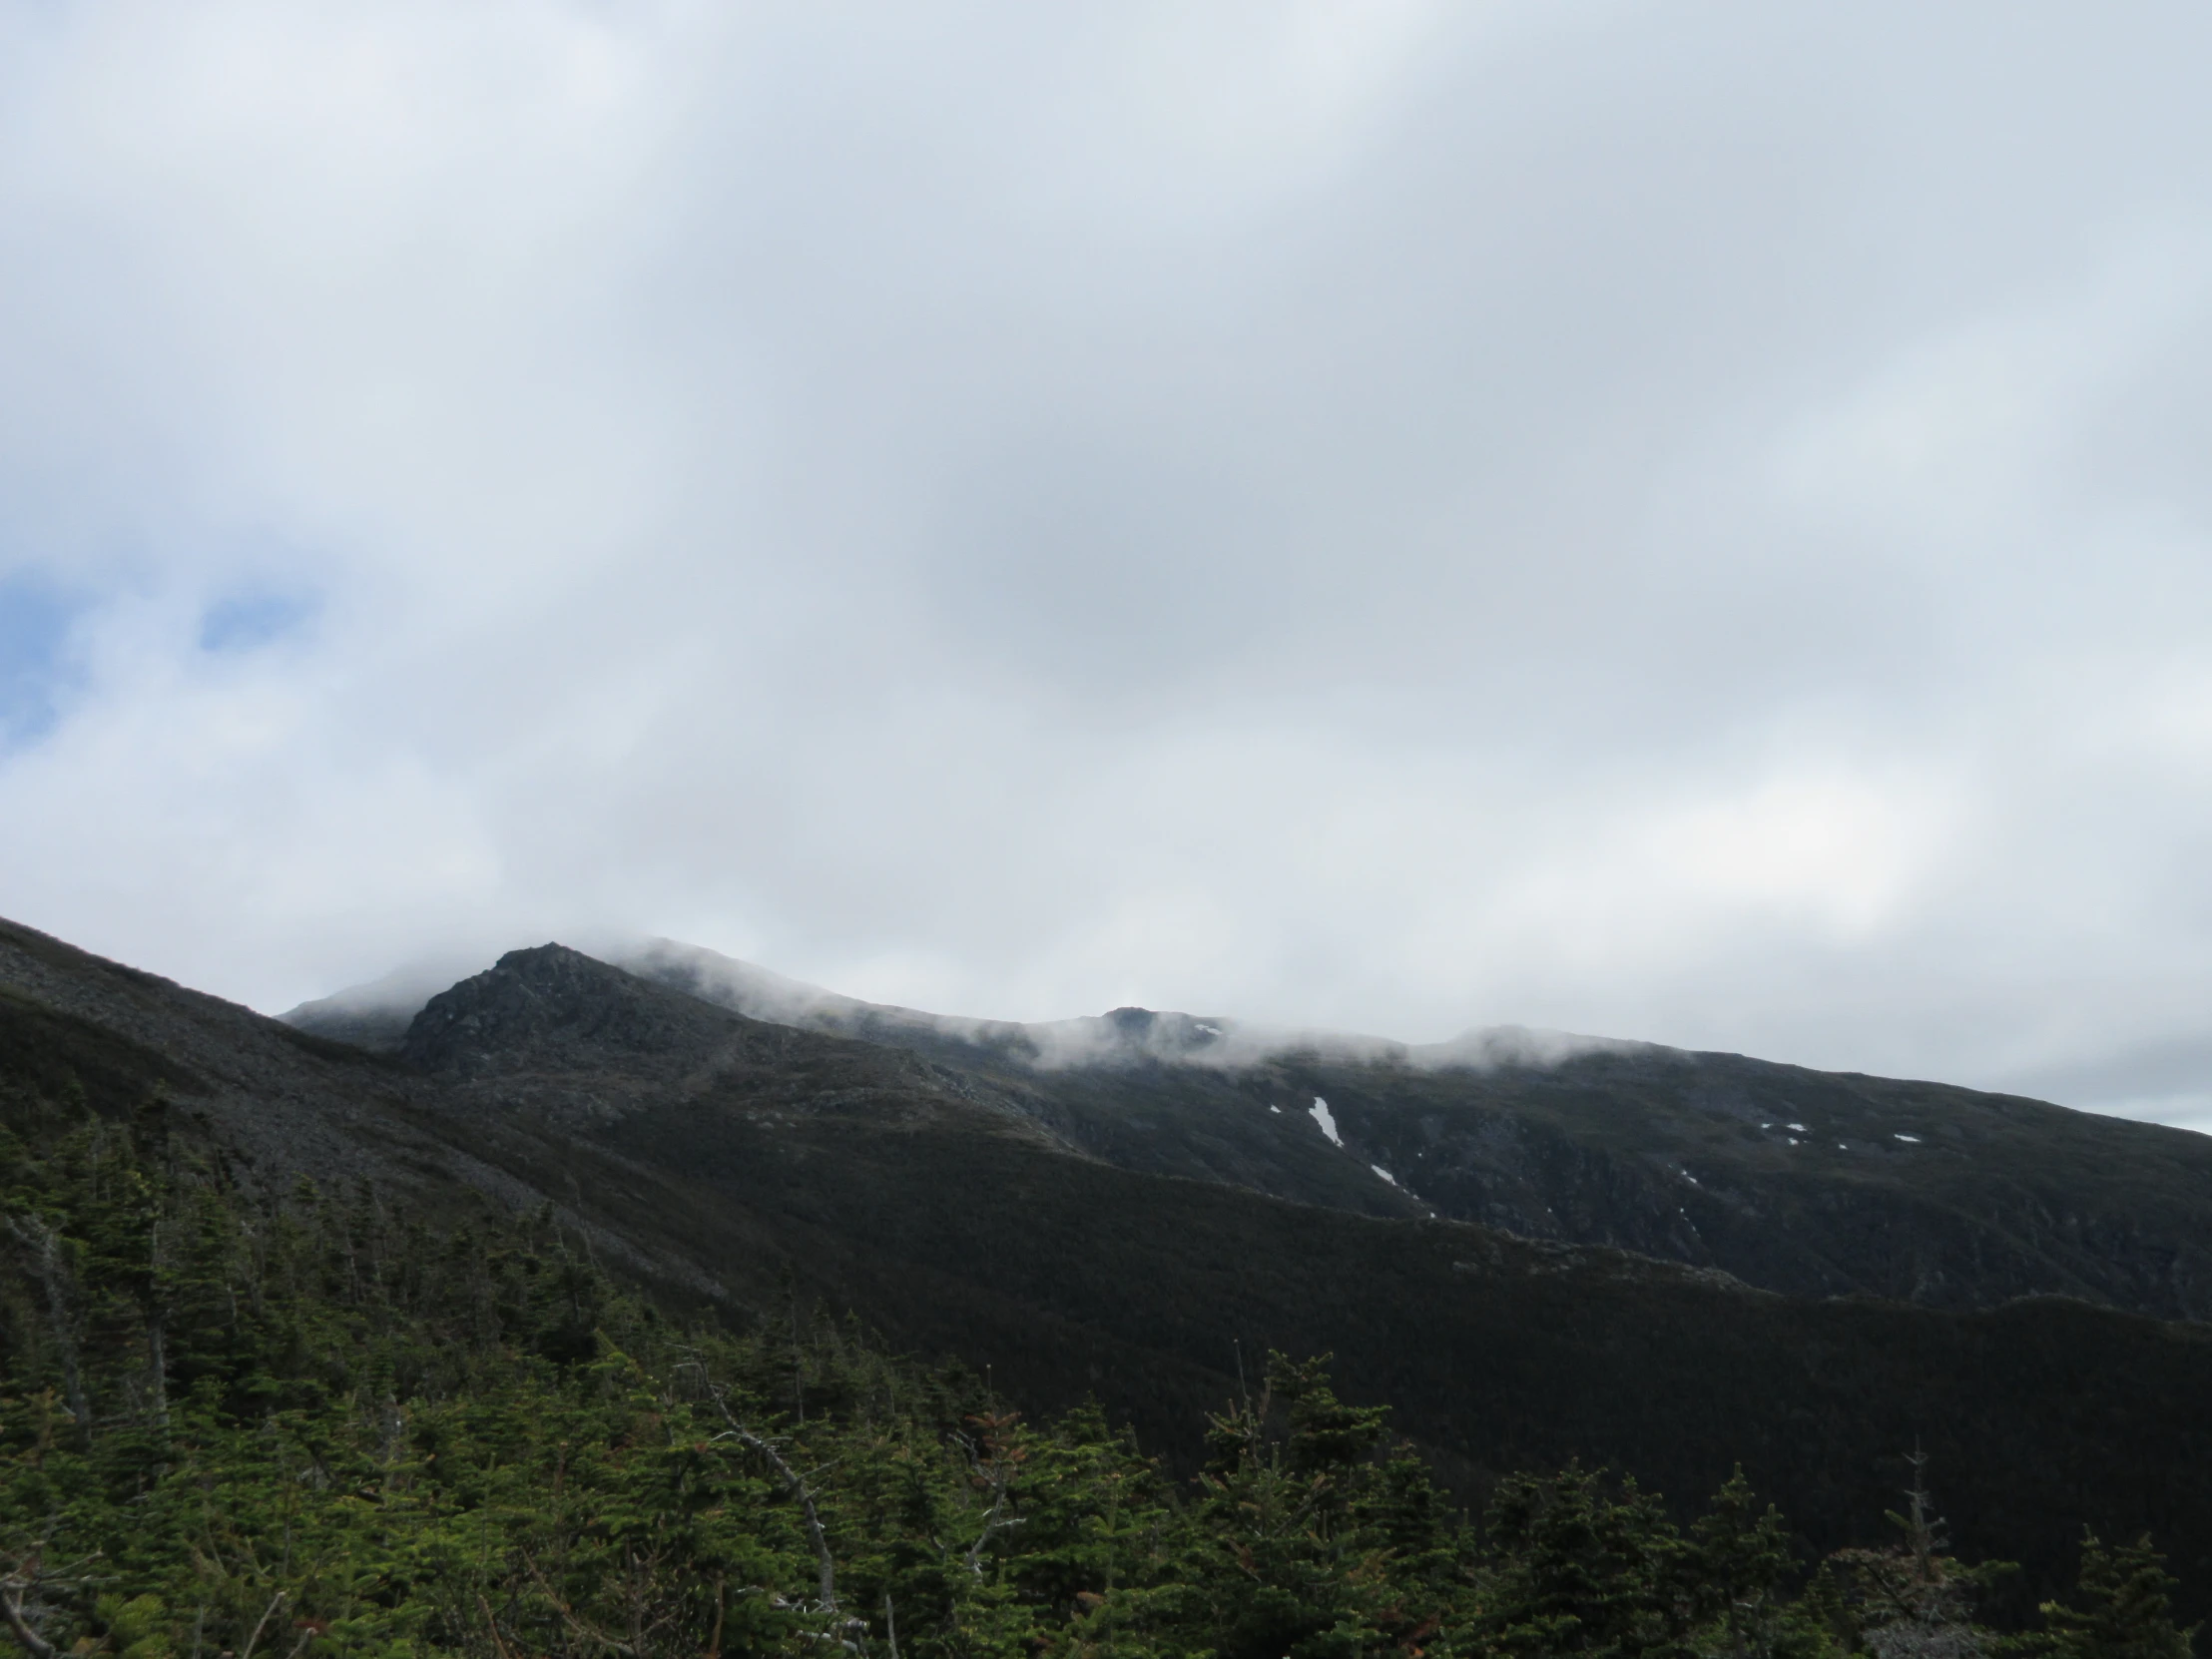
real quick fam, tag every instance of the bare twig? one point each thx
(491, 1623)
(276, 1601)
(52, 1267)
(569, 1616)
(991, 1524)
(28, 1575)
(745, 1437)
(996, 1470)
(11, 1607)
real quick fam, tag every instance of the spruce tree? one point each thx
(1915, 1600)
(2125, 1597)
(1740, 1562)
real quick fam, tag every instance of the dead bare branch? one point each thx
(491, 1623)
(570, 1617)
(22, 1579)
(276, 1601)
(51, 1266)
(11, 1607)
(799, 1489)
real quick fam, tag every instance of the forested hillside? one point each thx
(247, 1268)
(247, 1424)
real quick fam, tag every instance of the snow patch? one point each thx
(1385, 1174)
(1909, 1140)
(1277, 1110)
(1328, 1123)
(1799, 1127)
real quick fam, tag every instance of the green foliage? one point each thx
(1913, 1600)
(1743, 1567)
(1311, 1545)
(2123, 1607)
(269, 1424)
(1584, 1567)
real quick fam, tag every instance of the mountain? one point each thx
(998, 1209)
(1803, 1181)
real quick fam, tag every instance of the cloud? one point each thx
(249, 620)
(1399, 519)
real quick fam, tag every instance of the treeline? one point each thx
(243, 1425)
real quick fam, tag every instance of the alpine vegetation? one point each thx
(309, 1422)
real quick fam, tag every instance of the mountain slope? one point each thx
(1810, 1183)
(949, 1222)
(759, 1168)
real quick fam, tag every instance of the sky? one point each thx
(1675, 522)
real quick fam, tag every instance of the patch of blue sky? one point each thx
(36, 671)
(247, 621)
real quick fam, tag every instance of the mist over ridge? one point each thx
(1519, 691)
(1809, 1271)
(377, 1011)
(1376, 517)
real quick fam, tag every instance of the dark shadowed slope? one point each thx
(1806, 1182)
(1812, 1182)
(761, 1167)
(1798, 1181)
(937, 1215)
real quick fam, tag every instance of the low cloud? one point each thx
(1122, 1038)
(1404, 518)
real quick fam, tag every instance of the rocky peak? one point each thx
(553, 1007)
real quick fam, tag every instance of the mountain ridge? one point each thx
(742, 1171)
(1805, 1182)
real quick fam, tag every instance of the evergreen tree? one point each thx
(1582, 1565)
(1321, 1545)
(2124, 1611)
(296, 1425)
(1741, 1562)
(1914, 1600)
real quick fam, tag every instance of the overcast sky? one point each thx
(1687, 522)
